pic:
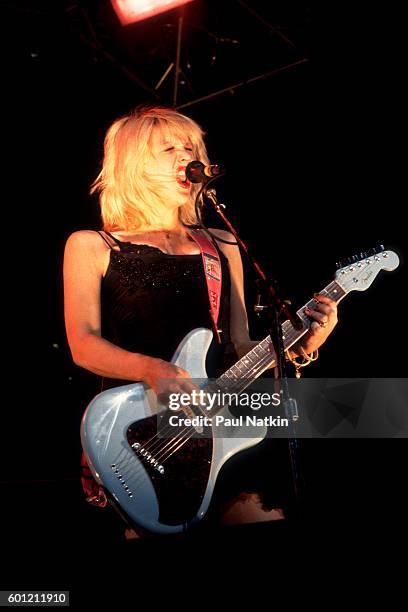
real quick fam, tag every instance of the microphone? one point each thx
(196, 172)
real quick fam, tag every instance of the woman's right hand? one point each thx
(166, 378)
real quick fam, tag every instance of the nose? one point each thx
(185, 156)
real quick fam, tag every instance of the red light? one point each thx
(130, 11)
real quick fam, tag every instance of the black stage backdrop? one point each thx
(314, 173)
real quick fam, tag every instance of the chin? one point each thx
(182, 199)
(176, 200)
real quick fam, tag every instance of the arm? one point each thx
(84, 262)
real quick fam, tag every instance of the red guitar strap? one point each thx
(213, 274)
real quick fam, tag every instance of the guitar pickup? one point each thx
(147, 457)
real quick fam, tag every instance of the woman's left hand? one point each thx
(324, 320)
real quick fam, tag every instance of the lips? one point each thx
(181, 177)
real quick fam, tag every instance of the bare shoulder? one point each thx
(84, 239)
(86, 247)
(231, 251)
(224, 235)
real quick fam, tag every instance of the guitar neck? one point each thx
(262, 356)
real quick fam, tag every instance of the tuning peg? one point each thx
(345, 262)
(377, 249)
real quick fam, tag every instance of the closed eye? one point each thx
(172, 149)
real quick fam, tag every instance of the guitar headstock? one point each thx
(358, 272)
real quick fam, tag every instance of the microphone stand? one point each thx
(275, 308)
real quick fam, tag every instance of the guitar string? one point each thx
(163, 448)
(176, 446)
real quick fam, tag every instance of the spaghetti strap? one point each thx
(118, 242)
(102, 235)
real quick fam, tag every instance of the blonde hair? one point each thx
(128, 199)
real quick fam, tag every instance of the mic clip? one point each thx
(211, 194)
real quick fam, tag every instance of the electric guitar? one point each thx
(165, 484)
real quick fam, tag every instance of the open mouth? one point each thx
(181, 178)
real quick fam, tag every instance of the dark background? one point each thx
(314, 156)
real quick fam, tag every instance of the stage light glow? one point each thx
(130, 11)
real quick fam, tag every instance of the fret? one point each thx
(234, 370)
(240, 367)
(258, 351)
(335, 292)
(253, 356)
(248, 370)
(243, 369)
(247, 361)
(226, 376)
